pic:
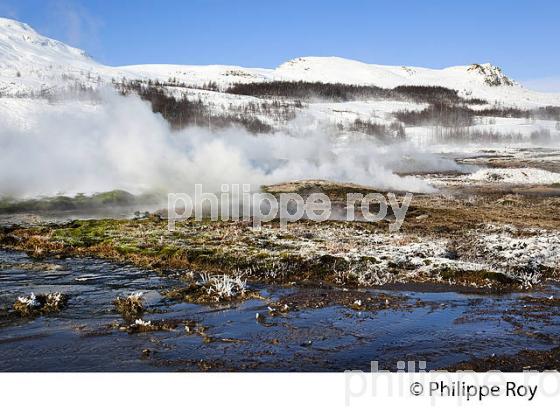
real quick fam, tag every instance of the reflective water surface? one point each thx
(445, 328)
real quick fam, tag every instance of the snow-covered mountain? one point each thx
(31, 62)
(61, 116)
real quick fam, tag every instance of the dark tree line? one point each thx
(277, 110)
(182, 112)
(432, 94)
(468, 135)
(438, 114)
(541, 113)
(392, 132)
(448, 115)
(547, 113)
(348, 92)
(306, 90)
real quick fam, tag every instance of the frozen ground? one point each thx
(500, 166)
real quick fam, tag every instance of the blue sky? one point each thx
(520, 36)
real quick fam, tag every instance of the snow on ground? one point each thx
(519, 128)
(374, 110)
(197, 76)
(419, 255)
(517, 176)
(523, 126)
(22, 113)
(30, 62)
(519, 253)
(496, 176)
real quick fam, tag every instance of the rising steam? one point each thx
(75, 147)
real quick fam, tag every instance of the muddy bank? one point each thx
(525, 360)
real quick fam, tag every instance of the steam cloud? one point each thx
(68, 148)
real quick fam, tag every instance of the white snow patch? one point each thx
(515, 176)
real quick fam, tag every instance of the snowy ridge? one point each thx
(484, 81)
(31, 62)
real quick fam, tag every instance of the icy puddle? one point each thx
(442, 328)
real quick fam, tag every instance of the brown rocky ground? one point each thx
(483, 238)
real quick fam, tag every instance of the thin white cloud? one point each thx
(78, 26)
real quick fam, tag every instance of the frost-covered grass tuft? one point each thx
(131, 306)
(140, 325)
(40, 304)
(529, 276)
(55, 300)
(29, 301)
(223, 286)
(211, 288)
(529, 279)
(525, 255)
(370, 274)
